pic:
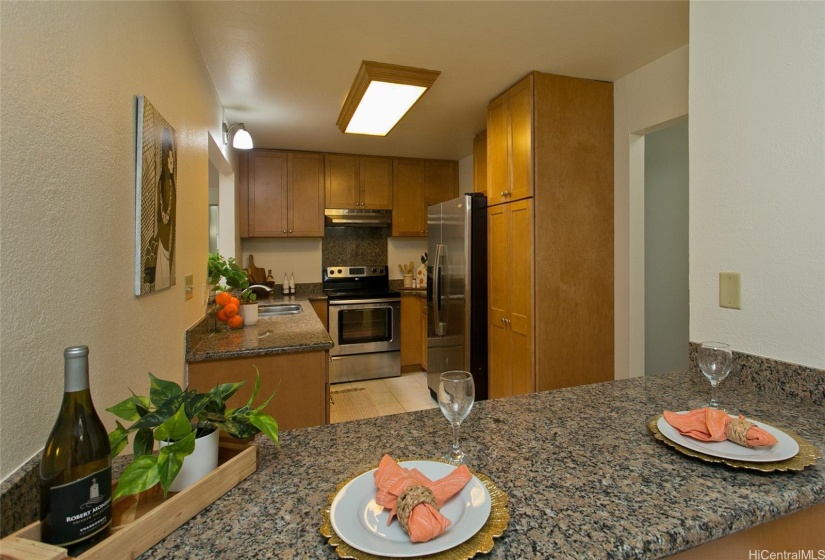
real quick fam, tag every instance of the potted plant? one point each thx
(177, 417)
(227, 276)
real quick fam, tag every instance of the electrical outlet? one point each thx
(188, 287)
(730, 290)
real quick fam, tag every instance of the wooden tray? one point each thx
(141, 521)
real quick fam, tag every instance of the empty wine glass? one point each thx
(456, 394)
(715, 360)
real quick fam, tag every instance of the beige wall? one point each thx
(646, 100)
(757, 176)
(70, 75)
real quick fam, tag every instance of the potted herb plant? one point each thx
(180, 418)
(227, 276)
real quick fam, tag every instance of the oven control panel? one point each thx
(354, 271)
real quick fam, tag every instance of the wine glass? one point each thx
(456, 394)
(715, 361)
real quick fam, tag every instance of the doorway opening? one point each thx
(666, 291)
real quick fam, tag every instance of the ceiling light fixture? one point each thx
(242, 140)
(380, 95)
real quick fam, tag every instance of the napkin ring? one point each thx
(737, 431)
(409, 498)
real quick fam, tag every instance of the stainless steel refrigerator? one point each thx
(457, 290)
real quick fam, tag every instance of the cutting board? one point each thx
(256, 275)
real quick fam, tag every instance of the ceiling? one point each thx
(284, 68)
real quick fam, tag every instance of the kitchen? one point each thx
(51, 227)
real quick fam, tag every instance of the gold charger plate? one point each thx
(808, 453)
(480, 543)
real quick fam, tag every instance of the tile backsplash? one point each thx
(354, 246)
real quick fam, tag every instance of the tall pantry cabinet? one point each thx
(550, 234)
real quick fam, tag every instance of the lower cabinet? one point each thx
(411, 332)
(510, 298)
(299, 380)
(423, 333)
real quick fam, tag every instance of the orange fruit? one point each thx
(235, 321)
(223, 298)
(222, 316)
(235, 301)
(230, 310)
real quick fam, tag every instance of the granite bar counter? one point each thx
(210, 339)
(585, 477)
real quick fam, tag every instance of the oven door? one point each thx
(364, 326)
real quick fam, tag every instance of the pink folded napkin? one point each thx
(425, 522)
(712, 424)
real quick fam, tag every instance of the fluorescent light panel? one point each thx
(381, 95)
(382, 106)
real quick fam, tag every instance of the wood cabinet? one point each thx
(284, 194)
(358, 182)
(510, 144)
(510, 297)
(299, 380)
(410, 333)
(413, 333)
(480, 163)
(409, 215)
(417, 184)
(550, 283)
(423, 327)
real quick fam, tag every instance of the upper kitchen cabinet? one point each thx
(358, 182)
(417, 184)
(510, 144)
(480, 163)
(284, 194)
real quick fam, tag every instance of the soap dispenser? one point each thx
(285, 285)
(291, 283)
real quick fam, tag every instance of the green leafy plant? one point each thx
(227, 275)
(170, 413)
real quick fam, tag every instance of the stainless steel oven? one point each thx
(364, 323)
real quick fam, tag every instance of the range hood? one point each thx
(363, 218)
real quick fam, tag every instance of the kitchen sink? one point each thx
(279, 310)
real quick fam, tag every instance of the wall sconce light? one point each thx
(242, 140)
(381, 95)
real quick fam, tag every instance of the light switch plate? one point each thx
(188, 287)
(730, 290)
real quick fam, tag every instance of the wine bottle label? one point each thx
(81, 508)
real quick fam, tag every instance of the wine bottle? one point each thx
(76, 470)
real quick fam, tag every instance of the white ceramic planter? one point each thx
(249, 311)
(202, 461)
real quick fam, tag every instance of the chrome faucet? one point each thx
(258, 288)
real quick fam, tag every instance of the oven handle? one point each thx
(340, 302)
(438, 326)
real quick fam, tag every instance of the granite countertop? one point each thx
(272, 335)
(418, 292)
(585, 477)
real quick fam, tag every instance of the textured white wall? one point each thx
(643, 101)
(757, 175)
(70, 72)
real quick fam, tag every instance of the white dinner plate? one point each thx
(785, 447)
(362, 523)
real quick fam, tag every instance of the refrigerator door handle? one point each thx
(439, 327)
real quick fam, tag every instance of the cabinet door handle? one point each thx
(284, 231)
(505, 321)
(290, 231)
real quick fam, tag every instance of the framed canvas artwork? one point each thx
(155, 194)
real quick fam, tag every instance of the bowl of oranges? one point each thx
(229, 310)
